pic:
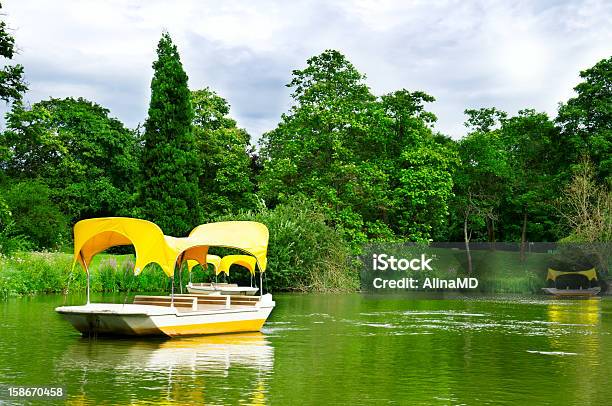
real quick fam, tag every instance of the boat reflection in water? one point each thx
(230, 368)
(213, 353)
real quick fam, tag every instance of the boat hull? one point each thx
(572, 292)
(145, 320)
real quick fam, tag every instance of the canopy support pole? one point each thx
(88, 276)
(181, 277)
(172, 294)
(260, 283)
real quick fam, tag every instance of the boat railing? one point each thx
(227, 300)
(214, 284)
(193, 301)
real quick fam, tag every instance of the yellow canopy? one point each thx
(246, 261)
(248, 236)
(589, 273)
(187, 250)
(93, 236)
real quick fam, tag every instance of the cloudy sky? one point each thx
(511, 55)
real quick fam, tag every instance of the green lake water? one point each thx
(330, 349)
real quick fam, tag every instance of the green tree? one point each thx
(226, 179)
(485, 119)
(482, 178)
(12, 84)
(357, 155)
(419, 165)
(86, 158)
(169, 193)
(586, 120)
(10, 239)
(317, 148)
(530, 139)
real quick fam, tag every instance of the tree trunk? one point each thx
(491, 233)
(523, 236)
(467, 244)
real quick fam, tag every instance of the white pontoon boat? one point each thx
(177, 314)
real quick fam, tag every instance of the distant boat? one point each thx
(223, 265)
(572, 284)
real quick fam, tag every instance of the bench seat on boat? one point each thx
(179, 301)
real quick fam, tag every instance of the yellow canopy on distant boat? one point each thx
(214, 260)
(246, 261)
(93, 236)
(589, 273)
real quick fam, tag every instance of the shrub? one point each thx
(304, 253)
(35, 215)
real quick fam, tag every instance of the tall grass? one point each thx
(47, 272)
(497, 271)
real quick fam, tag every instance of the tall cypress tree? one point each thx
(170, 184)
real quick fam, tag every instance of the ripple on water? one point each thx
(380, 325)
(557, 353)
(272, 330)
(442, 313)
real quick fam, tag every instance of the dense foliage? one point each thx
(342, 167)
(226, 178)
(87, 159)
(585, 121)
(373, 164)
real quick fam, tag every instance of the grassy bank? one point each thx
(28, 273)
(497, 271)
(47, 272)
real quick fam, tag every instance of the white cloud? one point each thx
(467, 54)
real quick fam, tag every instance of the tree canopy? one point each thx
(12, 83)
(372, 162)
(86, 158)
(226, 179)
(585, 121)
